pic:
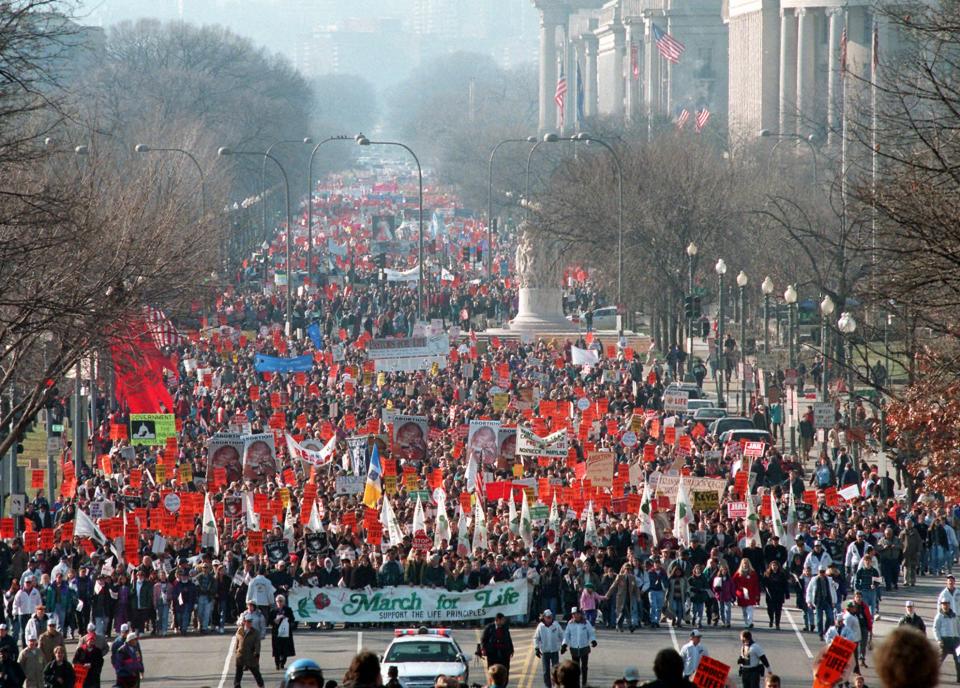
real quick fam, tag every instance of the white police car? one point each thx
(422, 654)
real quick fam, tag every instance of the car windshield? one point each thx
(421, 652)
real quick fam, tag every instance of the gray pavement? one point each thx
(205, 660)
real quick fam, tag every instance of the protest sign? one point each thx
(711, 673)
(225, 451)
(555, 445)
(149, 429)
(482, 443)
(600, 465)
(259, 458)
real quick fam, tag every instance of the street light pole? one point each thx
(767, 288)
(490, 220)
(847, 326)
(144, 148)
(340, 137)
(790, 297)
(826, 310)
(223, 151)
(364, 141)
(263, 178)
(691, 256)
(765, 133)
(721, 269)
(742, 280)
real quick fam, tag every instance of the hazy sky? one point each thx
(380, 39)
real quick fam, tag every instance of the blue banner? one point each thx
(313, 331)
(273, 364)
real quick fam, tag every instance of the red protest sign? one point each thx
(832, 497)
(36, 479)
(810, 497)
(711, 673)
(834, 661)
(254, 542)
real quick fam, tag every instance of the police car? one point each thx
(422, 654)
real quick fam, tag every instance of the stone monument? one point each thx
(539, 269)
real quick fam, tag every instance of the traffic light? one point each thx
(691, 307)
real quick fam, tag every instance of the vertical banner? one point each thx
(482, 444)
(259, 458)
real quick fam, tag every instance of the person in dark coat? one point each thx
(11, 675)
(88, 653)
(59, 672)
(496, 643)
(282, 633)
(776, 586)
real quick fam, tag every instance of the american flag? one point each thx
(163, 331)
(700, 121)
(683, 114)
(560, 94)
(670, 48)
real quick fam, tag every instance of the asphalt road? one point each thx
(198, 661)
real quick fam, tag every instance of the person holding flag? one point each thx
(373, 489)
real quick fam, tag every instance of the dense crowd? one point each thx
(611, 555)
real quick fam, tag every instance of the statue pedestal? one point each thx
(541, 310)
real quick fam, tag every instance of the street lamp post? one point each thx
(490, 220)
(847, 326)
(223, 152)
(144, 148)
(263, 178)
(826, 310)
(691, 256)
(364, 141)
(340, 137)
(742, 280)
(765, 133)
(721, 270)
(767, 288)
(619, 166)
(790, 298)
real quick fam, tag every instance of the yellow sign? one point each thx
(160, 473)
(390, 484)
(705, 500)
(186, 472)
(284, 497)
(500, 402)
(518, 470)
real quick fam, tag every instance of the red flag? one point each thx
(138, 370)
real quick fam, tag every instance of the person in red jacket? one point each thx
(747, 586)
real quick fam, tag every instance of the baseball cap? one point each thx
(695, 633)
(822, 568)
(547, 612)
(248, 617)
(817, 543)
(124, 628)
(575, 610)
(131, 636)
(91, 627)
(851, 604)
(3, 627)
(631, 673)
(860, 533)
(909, 603)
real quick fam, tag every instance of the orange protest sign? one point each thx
(834, 661)
(36, 479)
(711, 673)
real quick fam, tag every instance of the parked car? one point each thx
(721, 425)
(750, 435)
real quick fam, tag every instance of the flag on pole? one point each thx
(700, 121)
(210, 537)
(373, 489)
(875, 48)
(790, 533)
(512, 515)
(479, 529)
(669, 47)
(559, 96)
(526, 523)
(84, 527)
(289, 528)
(442, 530)
(646, 515)
(252, 518)
(390, 524)
(590, 529)
(314, 525)
(463, 526)
(683, 515)
(634, 61)
(683, 114)
(419, 519)
(775, 520)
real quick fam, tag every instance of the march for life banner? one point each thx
(407, 605)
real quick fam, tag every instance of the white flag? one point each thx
(512, 515)
(479, 530)
(84, 527)
(314, 525)
(646, 515)
(789, 537)
(590, 529)
(252, 518)
(442, 530)
(312, 456)
(289, 534)
(210, 537)
(526, 523)
(751, 524)
(683, 515)
(472, 474)
(389, 520)
(775, 521)
(463, 528)
(419, 520)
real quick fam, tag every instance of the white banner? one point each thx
(409, 364)
(317, 458)
(403, 604)
(411, 275)
(667, 485)
(580, 356)
(555, 445)
(407, 347)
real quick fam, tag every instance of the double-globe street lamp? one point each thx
(364, 141)
(339, 137)
(223, 152)
(691, 256)
(826, 310)
(790, 298)
(767, 288)
(742, 281)
(721, 269)
(847, 326)
(490, 219)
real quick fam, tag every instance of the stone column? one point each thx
(549, 21)
(834, 94)
(619, 45)
(788, 73)
(806, 64)
(634, 45)
(589, 74)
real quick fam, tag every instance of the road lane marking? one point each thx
(796, 630)
(359, 641)
(673, 636)
(226, 663)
